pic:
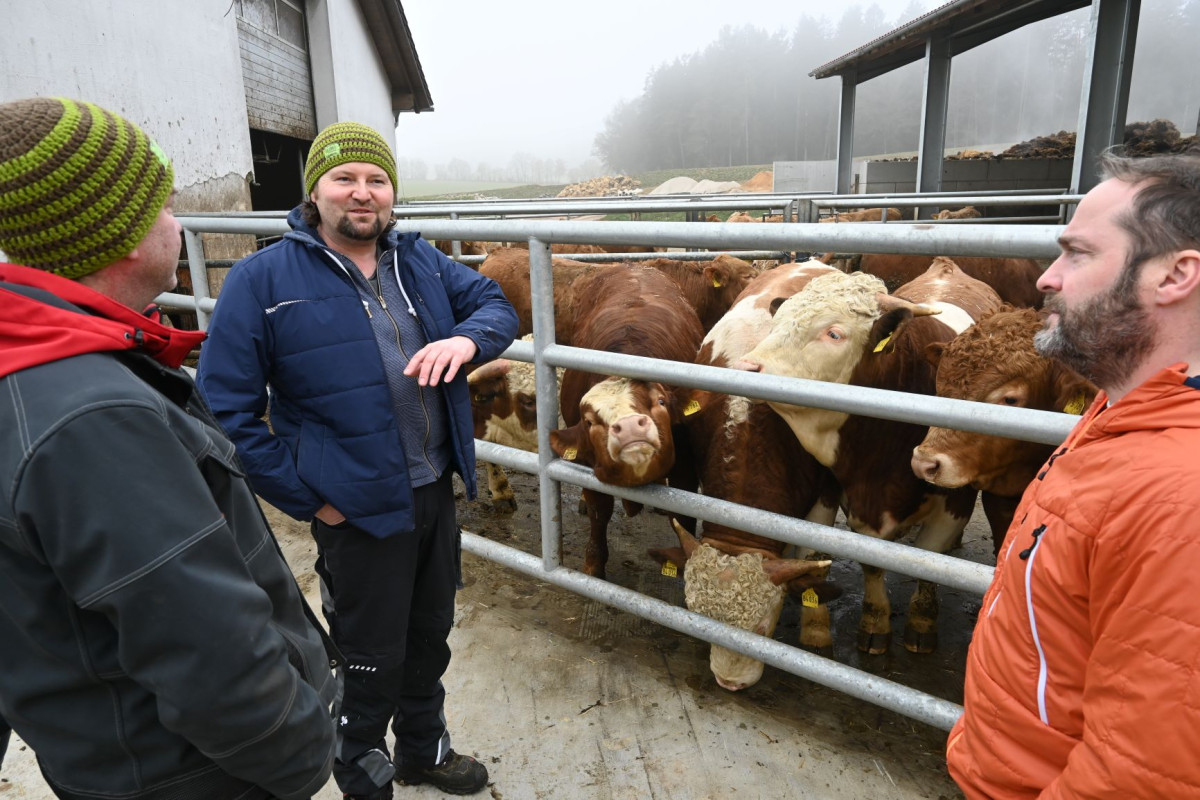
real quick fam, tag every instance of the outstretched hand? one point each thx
(440, 360)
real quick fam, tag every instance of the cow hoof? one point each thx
(505, 505)
(825, 650)
(582, 507)
(917, 642)
(874, 643)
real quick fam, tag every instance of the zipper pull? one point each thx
(1050, 463)
(382, 302)
(367, 309)
(1028, 551)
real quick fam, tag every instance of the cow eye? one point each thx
(587, 423)
(834, 334)
(1011, 400)
(662, 401)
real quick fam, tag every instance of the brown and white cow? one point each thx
(966, 212)
(1014, 279)
(621, 427)
(865, 215)
(504, 410)
(995, 362)
(844, 329)
(745, 453)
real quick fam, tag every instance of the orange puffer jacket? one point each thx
(1083, 677)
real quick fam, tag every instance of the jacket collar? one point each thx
(45, 318)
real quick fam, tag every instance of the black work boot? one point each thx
(456, 774)
(382, 793)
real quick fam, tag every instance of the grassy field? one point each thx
(420, 190)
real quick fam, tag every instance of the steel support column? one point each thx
(1105, 96)
(934, 104)
(845, 150)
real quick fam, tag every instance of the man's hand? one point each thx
(440, 360)
(330, 515)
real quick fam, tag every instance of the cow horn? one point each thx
(492, 369)
(782, 570)
(888, 302)
(688, 542)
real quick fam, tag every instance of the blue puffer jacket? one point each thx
(290, 316)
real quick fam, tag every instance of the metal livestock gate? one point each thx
(977, 240)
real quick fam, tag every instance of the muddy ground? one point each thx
(564, 697)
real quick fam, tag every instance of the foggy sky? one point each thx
(540, 76)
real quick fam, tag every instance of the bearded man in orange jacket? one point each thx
(1083, 677)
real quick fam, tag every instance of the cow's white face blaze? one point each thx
(820, 333)
(629, 423)
(738, 591)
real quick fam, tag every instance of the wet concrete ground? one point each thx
(563, 697)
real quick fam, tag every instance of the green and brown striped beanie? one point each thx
(343, 143)
(80, 187)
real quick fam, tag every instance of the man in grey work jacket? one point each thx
(361, 334)
(153, 642)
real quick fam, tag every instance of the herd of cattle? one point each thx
(956, 327)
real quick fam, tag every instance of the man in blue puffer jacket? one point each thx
(360, 333)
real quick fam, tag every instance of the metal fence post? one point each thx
(541, 289)
(199, 272)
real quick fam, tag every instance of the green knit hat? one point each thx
(80, 187)
(343, 143)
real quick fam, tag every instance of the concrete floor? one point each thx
(562, 697)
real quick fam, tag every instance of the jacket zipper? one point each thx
(1031, 555)
(407, 357)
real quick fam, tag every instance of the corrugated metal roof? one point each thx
(968, 23)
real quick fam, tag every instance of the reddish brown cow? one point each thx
(468, 248)
(709, 286)
(1014, 279)
(995, 362)
(842, 328)
(620, 427)
(745, 453)
(966, 212)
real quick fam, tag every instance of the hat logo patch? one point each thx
(331, 150)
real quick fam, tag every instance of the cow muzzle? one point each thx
(633, 438)
(936, 468)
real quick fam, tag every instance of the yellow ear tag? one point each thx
(669, 569)
(570, 453)
(691, 408)
(879, 347)
(716, 283)
(809, 599)
(1076, 406)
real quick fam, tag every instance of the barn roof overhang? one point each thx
(966, 23)
(394, 44)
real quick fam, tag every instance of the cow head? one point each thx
(822, 333)
(728, 276)
(504, 403)
(623, 433)
(745, 590)
(995, 362)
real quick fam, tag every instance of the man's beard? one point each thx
(1105, 340)
(354, 230)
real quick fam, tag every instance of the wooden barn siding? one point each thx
(279, 95)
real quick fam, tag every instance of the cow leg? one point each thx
(499, 490)
(875, 627)
(815, 633)
(600, 511)
(941, 532)
(999, 511)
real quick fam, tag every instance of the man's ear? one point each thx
(1180, 277)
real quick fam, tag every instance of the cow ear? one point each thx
(665, 555)
(716, 274)
(933, 353)
(776, 303)
(691, 402)
(825, 590)
(1073, 393)
(572, 444)
(885, 327)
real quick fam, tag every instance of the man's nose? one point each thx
(1048, 281)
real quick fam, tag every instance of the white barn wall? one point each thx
(171, 66)
(349, 83)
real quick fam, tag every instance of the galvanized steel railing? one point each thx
(981, 240)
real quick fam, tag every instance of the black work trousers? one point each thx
(391, 612)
